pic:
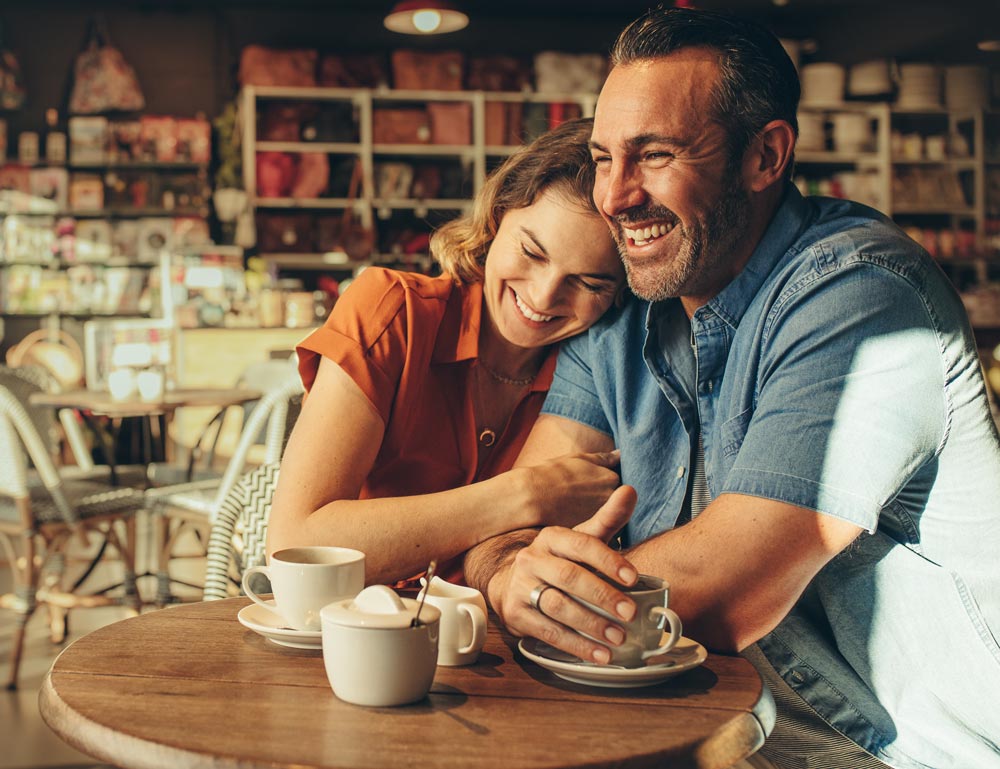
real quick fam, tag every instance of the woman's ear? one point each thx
(769, 155)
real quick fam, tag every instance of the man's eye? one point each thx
(657, 156)
(601, 159)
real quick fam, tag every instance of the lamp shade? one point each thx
(425, 17)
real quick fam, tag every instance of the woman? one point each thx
(421, 391)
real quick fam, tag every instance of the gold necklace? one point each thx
(504, 379)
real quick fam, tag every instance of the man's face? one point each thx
(678, 208)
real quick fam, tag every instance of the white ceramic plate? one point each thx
(269, 624)
(687, 654)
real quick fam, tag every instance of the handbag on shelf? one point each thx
(348, 233)
(260, 65)
(427, 70)
(102, 80)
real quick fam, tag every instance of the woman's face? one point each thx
(551, 272)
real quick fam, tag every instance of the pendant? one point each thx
(487, 437)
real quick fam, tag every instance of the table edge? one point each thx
(106, 744)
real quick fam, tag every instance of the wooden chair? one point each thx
(195, 505)
(239, 532)
(44, 511)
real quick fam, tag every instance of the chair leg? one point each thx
(24, 604)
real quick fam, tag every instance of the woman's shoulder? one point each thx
(376, 282)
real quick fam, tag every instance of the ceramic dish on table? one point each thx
(269, 624)
(686, 655)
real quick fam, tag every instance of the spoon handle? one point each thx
(430, 575)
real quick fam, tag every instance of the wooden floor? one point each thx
(25, 739)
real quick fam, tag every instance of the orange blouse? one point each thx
(409, 341)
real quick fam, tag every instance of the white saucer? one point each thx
(687, 654)
(270, 625)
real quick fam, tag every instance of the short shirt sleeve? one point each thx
(574, 393)
(366, 335)
(850, 398)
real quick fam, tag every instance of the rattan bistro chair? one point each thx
(239, 531)
(197, 504)
(44, 511)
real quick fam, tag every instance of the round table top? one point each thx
(190, 686)
(102, 403)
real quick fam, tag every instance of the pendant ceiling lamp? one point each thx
(425, 17)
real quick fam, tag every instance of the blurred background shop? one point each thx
(188, 185)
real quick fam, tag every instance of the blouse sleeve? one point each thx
(365, 335)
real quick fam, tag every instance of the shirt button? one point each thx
(680, 472)
(797, 676)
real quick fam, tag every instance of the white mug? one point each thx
(644, 633)
(463, 620)
(305, 579)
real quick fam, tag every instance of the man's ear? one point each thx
(769, 155)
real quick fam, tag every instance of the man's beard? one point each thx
(700, 261)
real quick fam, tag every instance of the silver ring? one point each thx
(536, 596)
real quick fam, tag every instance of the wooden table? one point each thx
(191, 687)
(101, 403)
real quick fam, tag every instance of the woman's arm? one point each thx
(333, 449)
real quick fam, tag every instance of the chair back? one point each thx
(274, 414)
(24, 380)
(239, 530)
(19, 444)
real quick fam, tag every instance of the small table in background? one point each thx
(90, 403)
(190, 686)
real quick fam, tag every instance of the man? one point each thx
(805, 367)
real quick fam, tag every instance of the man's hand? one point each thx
(558, 557)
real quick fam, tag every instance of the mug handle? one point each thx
(478, 620)
(251, 594)
(676, 628)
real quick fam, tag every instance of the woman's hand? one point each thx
(570, 489)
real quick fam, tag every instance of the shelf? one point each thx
(837, 158)
(54, 265)
(305, 202)
(60, 314)
(132, 213)
(326, 148)
(135, 165)
(455, 204)
(968, 164)
(425, 150)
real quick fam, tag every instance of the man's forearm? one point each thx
(488, 558)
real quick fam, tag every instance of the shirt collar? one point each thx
(784, 230)
(458, 339)
(786, 226)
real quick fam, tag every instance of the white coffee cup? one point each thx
(305, 579)
(644, 633)
(463, 620)
(372, 658)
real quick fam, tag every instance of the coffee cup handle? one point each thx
(249, 591)
(478, 620)
(676, 628)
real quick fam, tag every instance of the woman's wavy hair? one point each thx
(558, 160)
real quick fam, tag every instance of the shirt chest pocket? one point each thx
(733, 431)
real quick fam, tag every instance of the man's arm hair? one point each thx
(486, 559)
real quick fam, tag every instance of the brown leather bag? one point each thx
(348, 233)
(400, 126)
(260, 65)
(428, 70)
(451, 122)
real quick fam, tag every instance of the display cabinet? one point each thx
(423, 156)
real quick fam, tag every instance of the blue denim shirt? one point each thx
(837, 372)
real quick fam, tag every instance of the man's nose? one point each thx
(620, 190)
